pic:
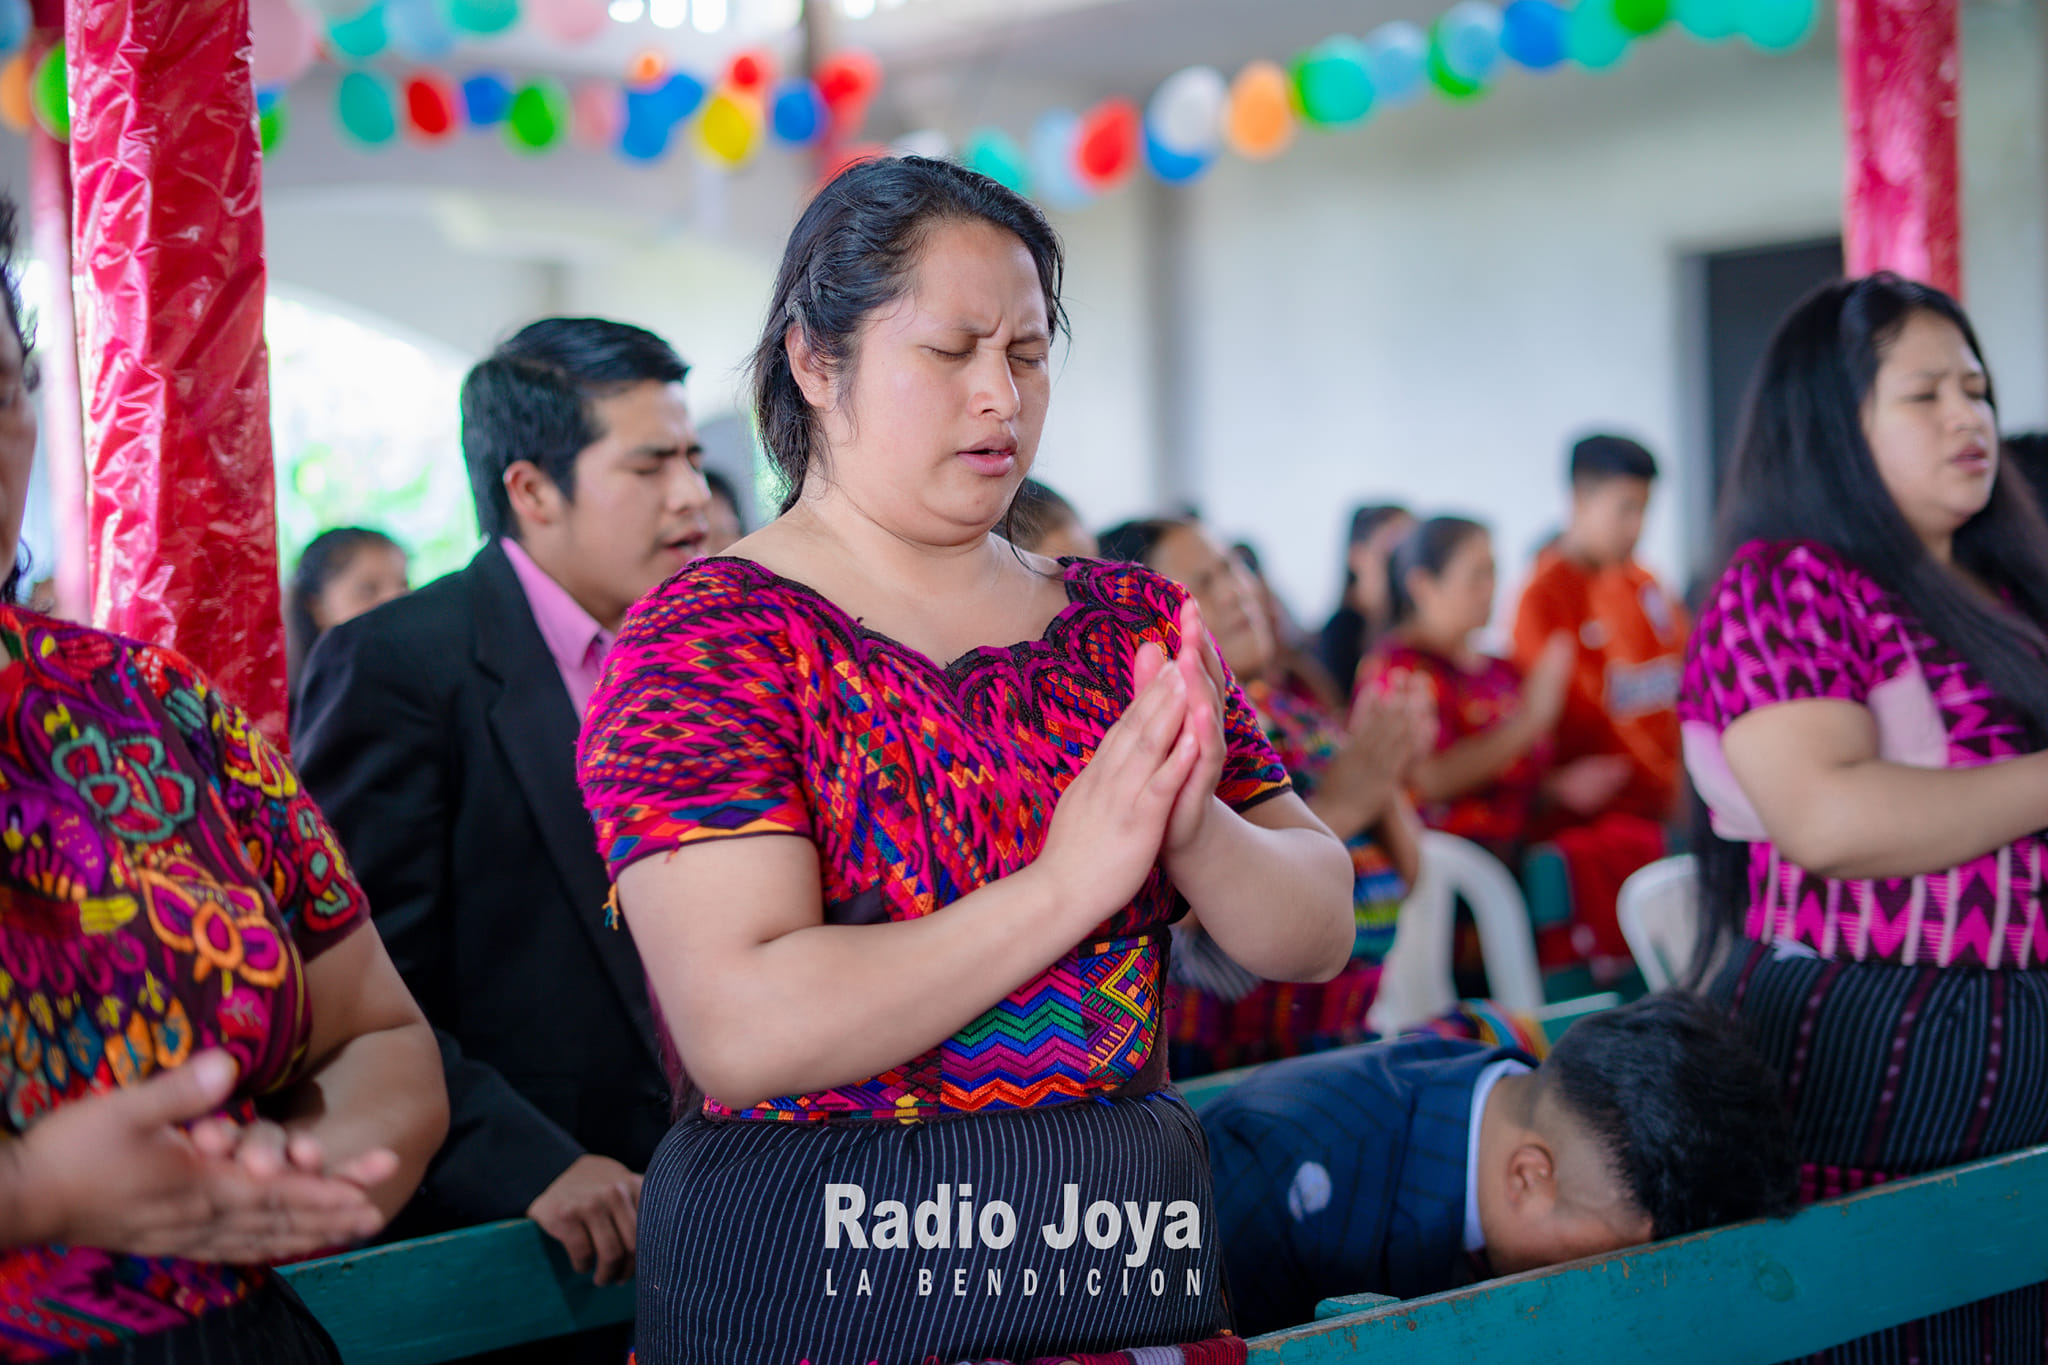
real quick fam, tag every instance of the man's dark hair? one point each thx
(531, 399)
(1600, 458)
(1693, 1119)
(1035, 513)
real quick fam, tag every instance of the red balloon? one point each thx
(430, 106)
(850, 157)
(1107, 149)
(752, 71)
(848, 80)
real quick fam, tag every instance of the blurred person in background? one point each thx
(1367, 610)
(1295, 665)
(1350, 770)
(342, 573)
(723, 515)
(1043, 522)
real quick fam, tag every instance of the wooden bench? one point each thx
(1757, 1292)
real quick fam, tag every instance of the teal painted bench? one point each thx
(1756, 1292)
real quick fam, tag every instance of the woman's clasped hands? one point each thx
(1150, 790)
(150, 1170)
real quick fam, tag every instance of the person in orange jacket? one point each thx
(1631, 633)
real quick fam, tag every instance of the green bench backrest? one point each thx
(1755, 1292)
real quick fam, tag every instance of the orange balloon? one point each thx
(14, 105)
(1259, 122)
(647, 69)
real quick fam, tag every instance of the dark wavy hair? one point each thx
(1692, 1119)
(852, 253)
(1135, 541)
(1803, 470)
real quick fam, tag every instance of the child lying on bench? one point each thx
(1418, 1165)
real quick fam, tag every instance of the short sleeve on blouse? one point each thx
(288, 842)
(1252, 770)
(1788, 621)
(691, 734)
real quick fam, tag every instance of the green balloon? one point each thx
(1594, 37)
(998, 156)
(48, 96)
(1331, 85)
(1776, 25)
(363, 104)
(362, 37)
(537, 117)
(1642, 17)
(1449, 83)
(273, 124)
(1710, 21)
(482, 17)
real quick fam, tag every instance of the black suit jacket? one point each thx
(437, 735)
(1344, 1173)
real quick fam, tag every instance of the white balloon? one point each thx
(283, 40)
(1186, 112)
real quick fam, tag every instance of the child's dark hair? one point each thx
(1693, 1119)
(326, 557)
(1599, 458)
(851, 254)
(1035, 513)
(1428, 547)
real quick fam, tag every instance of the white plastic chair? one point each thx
(1416, 984)
(1659, 909)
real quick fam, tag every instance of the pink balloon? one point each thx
(284, 39)
(598, 114)
(568, 21)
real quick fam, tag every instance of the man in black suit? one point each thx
(438, 733)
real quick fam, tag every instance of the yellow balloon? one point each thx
(730, 128)
(1259, 122)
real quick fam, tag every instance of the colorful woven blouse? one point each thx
(1791, 621)
(166, 881)
(737, 702)
(1495, 816)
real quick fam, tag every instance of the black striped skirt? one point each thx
(1892, 1071)
(1014, 1234)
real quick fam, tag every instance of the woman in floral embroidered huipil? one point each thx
(1864, 714)
(902, 892)
(207, 1063)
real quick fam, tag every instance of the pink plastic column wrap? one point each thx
(168, 255)
(1901, 68)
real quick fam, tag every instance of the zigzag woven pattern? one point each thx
(1794, 620)
(739, 703)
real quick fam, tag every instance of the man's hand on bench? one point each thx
(593, 1210)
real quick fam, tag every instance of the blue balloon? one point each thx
(485, 100)
(1052, 160)
(1395, 55)
(15, 22)
(1175, 168)
(418, 29)
(267, 98)
(799, 113)
(646, 135)
(676, 98)
(1532, 33)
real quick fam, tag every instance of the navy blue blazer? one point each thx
(1344, 1173)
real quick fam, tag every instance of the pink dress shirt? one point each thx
(575, 639)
